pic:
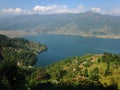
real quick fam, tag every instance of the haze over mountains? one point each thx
(84, 24)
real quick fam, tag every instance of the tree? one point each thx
(86, 72)
(99, 60)
(11, 76)
(40, 74)
(1, 57)
(107, 71)
(94, 75)
(107, 57)
(81, 73)
(96, 70)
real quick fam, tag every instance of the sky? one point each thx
(16, 7)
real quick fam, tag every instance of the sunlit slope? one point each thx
(92, 67)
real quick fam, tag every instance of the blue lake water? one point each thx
(62, 46)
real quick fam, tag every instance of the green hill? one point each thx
(97, 68)
(87, 72)
(22, 51)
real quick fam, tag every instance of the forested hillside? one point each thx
(87, 72)
(22, 51)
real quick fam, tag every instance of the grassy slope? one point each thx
(70, 69)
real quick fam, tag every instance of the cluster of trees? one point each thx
(11, 76)
(14, 77)
(111, 60)
(83, 85)
(89, 67)
(20, 50)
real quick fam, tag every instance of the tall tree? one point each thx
(86, 72)
(1, 57)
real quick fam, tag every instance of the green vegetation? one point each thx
(20, 50)
(88, 72)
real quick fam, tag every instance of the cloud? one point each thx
(115, 11)
(95, 9)
(53, 8)
(44, 8)
(12, 11)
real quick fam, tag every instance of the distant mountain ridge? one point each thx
(84, 24)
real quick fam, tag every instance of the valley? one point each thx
(87, 24)
(60, 45)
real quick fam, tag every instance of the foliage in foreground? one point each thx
(67, 74)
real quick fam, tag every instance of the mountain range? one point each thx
(84, 24)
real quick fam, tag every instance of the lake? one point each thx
(62, 46)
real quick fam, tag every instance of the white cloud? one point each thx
(53, 8)
(58, 9)
(115, 11)
(44, 8)
(18, 10)
(95, 9)
(12, 11)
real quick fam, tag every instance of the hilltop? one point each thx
(83, 24)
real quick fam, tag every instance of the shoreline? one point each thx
(46, 48)
(19, 33)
